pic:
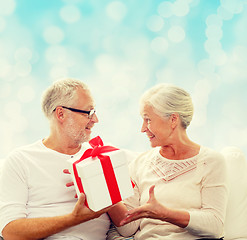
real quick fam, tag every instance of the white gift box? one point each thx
(98, 181)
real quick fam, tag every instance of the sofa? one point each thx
(236, 214)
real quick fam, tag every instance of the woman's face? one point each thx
(158, 129)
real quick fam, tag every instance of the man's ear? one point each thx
(59, 113)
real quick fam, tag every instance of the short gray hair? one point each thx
(167, 99)
(61, 92)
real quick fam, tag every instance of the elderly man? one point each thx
(34, 200)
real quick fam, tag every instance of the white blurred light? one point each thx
(5, 68)
(105, 64)
(121, 90)
(23, 54)
(234, 70)
(116, 10)
(240, 54)
(7, 7)
(193, 3)
(70, 14)
(203, 88)
(214, 32)
(26, 94)
(23, 68)
(206, 67)
(5, 90)
(137, 48)
(224, 13)
(176, 34)
(155, 23)
(58, 72)
(229, 73)
(233, 111)
(72, 1)
(12, 109)
(165, 75)
(218, 57)
(53, 35)
(214, 20)
(56, 54)
(200, 100)
(2, 24)
(234, 7)
(159, 45)
(212, 45)
(237, 137)
(200, 116)
(165, 9)
(18, 124)
(180, 8)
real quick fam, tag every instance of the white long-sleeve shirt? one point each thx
(197, 185)
(32, 185)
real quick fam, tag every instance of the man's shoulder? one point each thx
(35, 146)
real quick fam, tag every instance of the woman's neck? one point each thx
(180, 148)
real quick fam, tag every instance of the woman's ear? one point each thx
(174, 118)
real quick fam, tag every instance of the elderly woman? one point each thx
(180, 186)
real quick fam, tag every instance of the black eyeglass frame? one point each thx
(89, 113)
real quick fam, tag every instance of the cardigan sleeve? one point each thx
(209, 220)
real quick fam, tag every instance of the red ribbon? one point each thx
(96, 151)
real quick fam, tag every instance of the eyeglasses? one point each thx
(89, 113)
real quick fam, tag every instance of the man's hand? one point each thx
(81, 212)
(69, 184)
(66, 171)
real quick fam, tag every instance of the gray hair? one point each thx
(167, 99)
(61, 92)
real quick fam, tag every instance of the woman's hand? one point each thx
(152, 209)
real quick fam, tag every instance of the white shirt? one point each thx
(32, 184)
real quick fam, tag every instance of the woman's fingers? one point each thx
(151, 193)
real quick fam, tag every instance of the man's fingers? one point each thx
(66, 171)
(69, 184)
(82, 198)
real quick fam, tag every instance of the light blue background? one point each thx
(120, 49)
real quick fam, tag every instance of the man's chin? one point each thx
(85, 138)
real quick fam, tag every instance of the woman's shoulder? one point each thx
(209, 156)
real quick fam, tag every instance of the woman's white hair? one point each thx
(60, 93)
(166, 99)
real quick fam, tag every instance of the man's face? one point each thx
(77, 125)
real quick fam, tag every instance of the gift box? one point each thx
(102, 174)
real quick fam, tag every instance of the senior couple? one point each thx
(180, 186)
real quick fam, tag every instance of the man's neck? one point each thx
(61, 146)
